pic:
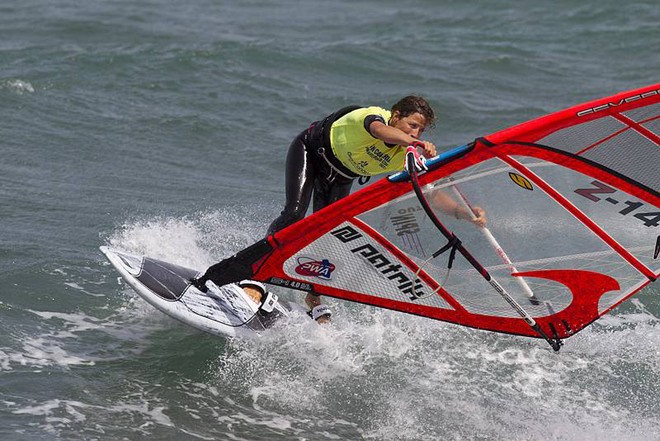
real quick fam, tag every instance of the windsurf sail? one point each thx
(573, 207)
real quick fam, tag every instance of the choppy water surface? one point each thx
(161, 127)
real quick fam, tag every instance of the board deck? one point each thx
(223, 311)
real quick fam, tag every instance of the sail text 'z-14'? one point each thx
(573, 209)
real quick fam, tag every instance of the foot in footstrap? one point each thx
(200, 284)
(320, 313)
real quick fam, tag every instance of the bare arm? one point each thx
(392, 135)
(449, 206)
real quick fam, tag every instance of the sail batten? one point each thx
(582, 217)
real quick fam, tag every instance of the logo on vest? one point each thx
(377, 155)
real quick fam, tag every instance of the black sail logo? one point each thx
(390, 270)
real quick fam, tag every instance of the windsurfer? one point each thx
(354, 141)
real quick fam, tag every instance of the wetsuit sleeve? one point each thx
(371, 118)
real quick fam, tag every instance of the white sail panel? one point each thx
(360, 264)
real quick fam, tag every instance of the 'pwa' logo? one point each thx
(315, 268)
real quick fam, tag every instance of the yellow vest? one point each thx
(360, 152)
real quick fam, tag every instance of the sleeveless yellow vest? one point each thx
(360, 152)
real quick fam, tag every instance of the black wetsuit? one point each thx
(312, 168)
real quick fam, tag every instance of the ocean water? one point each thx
(161, 127)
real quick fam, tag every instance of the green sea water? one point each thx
(161, 127)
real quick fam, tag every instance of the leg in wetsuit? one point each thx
(307, 173)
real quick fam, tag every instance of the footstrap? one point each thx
(320, 311)
(268, 302)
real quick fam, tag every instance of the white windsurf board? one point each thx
(224, 310)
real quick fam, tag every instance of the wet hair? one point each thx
(415, 104)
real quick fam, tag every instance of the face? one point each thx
(412, 125)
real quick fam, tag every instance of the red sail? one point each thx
(572, 200)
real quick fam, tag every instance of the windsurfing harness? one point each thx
(573, 208)
(320, 142)
(311, 168)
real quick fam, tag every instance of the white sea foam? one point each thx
(58, 415)
(174, 240)
(18, 86)
(61, 341)
(400, 377)
(404, 377)
(194, 241)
